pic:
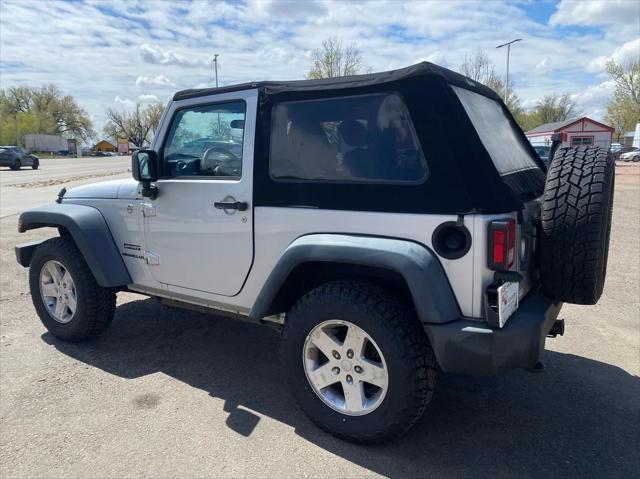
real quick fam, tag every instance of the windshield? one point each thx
(501, 140)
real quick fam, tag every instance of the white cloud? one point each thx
(260, 40)
(294, 9)
(439, 58)
(157, 55)
(593, 100)
(544, 67)
(124, 101)
(159, 80)
(148, 99)
(630, 51)
(594, 12)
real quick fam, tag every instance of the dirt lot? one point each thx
(167, 393)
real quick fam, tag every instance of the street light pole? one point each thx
(506, 85)
(215, 63)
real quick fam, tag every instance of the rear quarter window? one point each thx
(499, 137)
(362, 139)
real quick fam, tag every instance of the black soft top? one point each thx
(423, 69)
(463, 177)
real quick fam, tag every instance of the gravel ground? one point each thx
(168, 393)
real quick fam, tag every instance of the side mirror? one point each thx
(144, 167)
(237, 124)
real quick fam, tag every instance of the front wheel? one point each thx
(358, 361)
(35, 164)
(67, 298)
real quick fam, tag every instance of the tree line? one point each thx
(45, 110)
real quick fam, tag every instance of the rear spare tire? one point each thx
(576, 223)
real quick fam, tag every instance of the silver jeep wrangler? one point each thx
(394, 225)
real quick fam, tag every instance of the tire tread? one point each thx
(411, 344)
(576, 223)
(98, 303)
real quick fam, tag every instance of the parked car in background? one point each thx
(631, 155)
(615, 148)
(16, 157)
(624, 149)
(543, 153)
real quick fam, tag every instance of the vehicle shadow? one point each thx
(580, 418)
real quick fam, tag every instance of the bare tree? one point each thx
(135, 126)
(334, 60)
(480, 68)
(556, 108)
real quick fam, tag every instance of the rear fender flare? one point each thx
(92, 236)
(430, 290)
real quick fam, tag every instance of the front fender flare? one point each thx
(430, 290)
(90, 231)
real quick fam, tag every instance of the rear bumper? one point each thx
(471, 347)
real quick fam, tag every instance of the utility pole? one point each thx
(506, 85)
(215, 63)
(15, 121)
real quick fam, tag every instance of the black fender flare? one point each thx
(92, 236)
(430, 290)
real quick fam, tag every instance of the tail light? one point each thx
(502, 245)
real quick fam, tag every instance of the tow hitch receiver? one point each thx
(556, 329)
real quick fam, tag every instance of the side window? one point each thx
(367, 138)
(205, 141)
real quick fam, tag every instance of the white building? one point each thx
(576, 132)
(51, 143)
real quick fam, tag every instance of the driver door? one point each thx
(199, 229)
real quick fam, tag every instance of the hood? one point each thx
(125, 189)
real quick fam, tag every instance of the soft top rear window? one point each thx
(501, 140)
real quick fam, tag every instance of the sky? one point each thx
(112, 54)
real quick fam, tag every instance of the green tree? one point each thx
(45, 109)
(623, 110)
(335, 60)
(136, 126)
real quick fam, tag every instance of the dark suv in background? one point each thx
(16, 157)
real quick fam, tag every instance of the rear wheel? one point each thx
(358, 361)
(69, 302)
(17, 164)
(576, 224)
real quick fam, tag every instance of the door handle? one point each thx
(231, 205)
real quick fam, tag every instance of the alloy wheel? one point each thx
(345, 367)
(58, 291)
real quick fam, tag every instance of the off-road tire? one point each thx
(95, 304)
(576, 224)
(35, 165)
(16, 165)
(393, 325)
